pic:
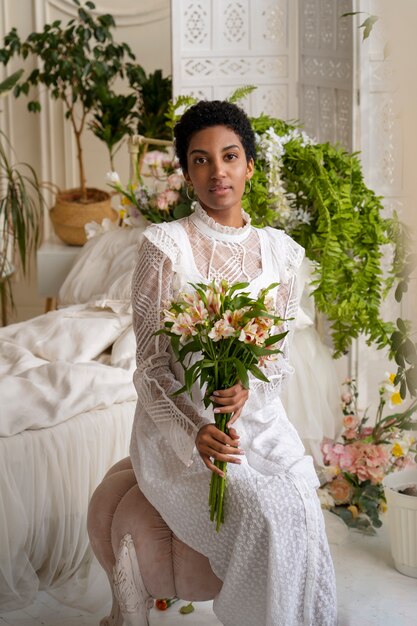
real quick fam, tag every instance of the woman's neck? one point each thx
(232, 218)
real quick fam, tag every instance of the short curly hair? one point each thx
(213, 113)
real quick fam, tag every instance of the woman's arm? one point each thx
(176, 417)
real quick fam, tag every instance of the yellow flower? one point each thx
(396, 398)
(391, 378)
(354, 510)
(383, 507)
(397, 450)
(125, 201)
(122, 213)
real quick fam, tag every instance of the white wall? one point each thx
(44, 140)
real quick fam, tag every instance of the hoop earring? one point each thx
(250, 186)
(187, 193)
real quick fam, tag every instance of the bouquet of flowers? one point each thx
(356, 466)
(162, 199)
(233, 334)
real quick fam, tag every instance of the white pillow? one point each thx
(103, 269)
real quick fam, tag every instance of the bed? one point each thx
(66, 410)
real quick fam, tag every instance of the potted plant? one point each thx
(21, 211)
(76, 62)
(143, 111)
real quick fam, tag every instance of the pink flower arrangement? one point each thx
(233, 334)
(160, 195)
(356, 465)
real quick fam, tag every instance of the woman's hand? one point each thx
(230, 400)
(211, 442)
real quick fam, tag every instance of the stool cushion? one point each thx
(168, 566)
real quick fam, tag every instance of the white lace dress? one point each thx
(271, 552)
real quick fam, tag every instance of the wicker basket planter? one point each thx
(69, 215)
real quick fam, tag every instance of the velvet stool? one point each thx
(142, 557)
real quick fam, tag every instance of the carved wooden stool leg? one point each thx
(134, 600)
(115, 618)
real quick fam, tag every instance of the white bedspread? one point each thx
(47, 478)
(56, 366)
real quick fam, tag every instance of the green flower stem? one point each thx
(218, 483)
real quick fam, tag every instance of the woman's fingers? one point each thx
(233, 434)
(234, 417)
(211, 466)
(230, 400)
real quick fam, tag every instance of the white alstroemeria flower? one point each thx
(113, 177)
(92, 229)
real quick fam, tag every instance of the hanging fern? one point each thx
(341, 227)
(316, 193)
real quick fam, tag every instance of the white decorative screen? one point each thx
(326, 70)
(220, 45)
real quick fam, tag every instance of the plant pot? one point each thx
(69, 215)
(402, 519)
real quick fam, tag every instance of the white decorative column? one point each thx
(326, 70)
(381, 144)
(220, 45)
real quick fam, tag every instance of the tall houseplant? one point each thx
(76, 61)
(21, 211)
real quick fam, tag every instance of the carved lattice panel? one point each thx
(225, 44)
(326, 70)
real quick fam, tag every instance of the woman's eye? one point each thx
(230, 156)
(200, 160)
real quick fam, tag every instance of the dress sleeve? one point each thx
(287, 256)
(176, 417)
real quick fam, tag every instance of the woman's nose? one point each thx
(217, 168)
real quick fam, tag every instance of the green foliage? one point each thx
(175, 109)
(188, 608)
(367, 25)
(76, 60)
(21, 210)
(113, 118)
(154, 94)
(8, 84)
(404, 351)
(345, 237)
(240, 93)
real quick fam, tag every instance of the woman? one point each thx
(271, 551)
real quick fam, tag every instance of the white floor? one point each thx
(370, 591)
(47, 612)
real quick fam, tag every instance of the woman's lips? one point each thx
(219, 190)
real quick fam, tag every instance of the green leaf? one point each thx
(8, 84)
(188, 608)
(274, 338)
(242, 373)
(240, 93)
(258, 373)
(368, 25)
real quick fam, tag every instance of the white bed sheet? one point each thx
(47, 478)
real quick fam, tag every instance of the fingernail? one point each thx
(242, 452)
(217, 410)
(216, 393)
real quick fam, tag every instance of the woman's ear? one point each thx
(250, 168)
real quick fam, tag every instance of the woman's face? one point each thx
(218, 170)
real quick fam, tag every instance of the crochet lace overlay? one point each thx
(271, 552)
